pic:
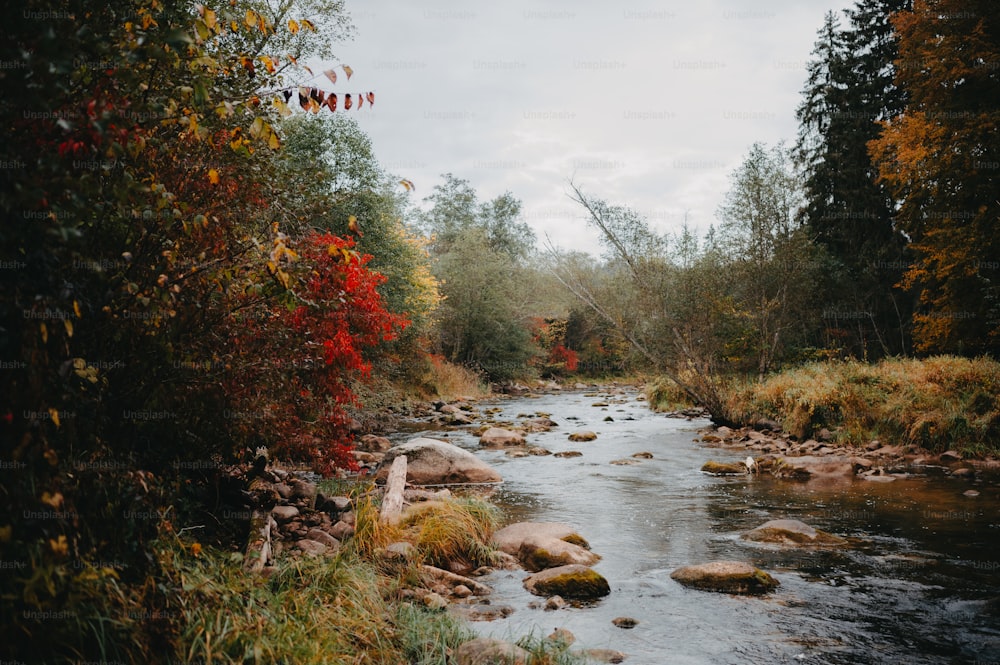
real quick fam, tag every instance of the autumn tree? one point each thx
(940, 158)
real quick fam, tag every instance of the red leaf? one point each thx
(371, 98)
(347, 102)
(331, 102)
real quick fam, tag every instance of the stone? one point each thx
(538, 552)
(951, 456)
(311, 547)
(573, 581)
(540, 424)
(284, 513)
(642, 455)
(490, 651)
(582, 435)
(810, 467)
(498, 437)
(460, 418)
(461, 591)
(510, 538)
(373, 443)
(568, 453)
(435, 601)
(561, 637)
(283, 490)
(725, 577)
(433, 462)
(555, 603)
(971, 493)
(628, 461)
(714, 468)
(625, 622)
(303, 490)
(791, 532)
(342, 530)
(323, 537)
(538, 451)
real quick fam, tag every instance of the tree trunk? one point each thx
(259, 548)
(392, 502)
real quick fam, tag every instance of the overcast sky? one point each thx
(646, 104)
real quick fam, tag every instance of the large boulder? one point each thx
(582, 435)
(725, 577)
(433, 462)
(791, 532)
(573, 581)
(510, 538)
(538, 552)
(498, 437)
(490, 651)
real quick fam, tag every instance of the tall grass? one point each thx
(455, 530)
(936, 403)
(448, 381)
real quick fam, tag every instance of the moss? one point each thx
(723, 468)
(577, 584)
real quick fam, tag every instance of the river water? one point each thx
(920, 583)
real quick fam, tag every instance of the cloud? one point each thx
(641, 104)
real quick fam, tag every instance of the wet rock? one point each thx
(342, 530)
(510, 538)
(540, 424)
(642, 455)
(555, 603)
(499, 437)
(791, 532)
(435, 601)
(461, 591)
(561, 638)
(970, 493)
(724, 468)
(951, 456)
(964, 472)
(625, 622)
(628, 461)
(460, 419)
(538, 451)
(538, 552)
(725, 577)
(582, 435)
(517, 453)
(568, 453)
(433, 462)
(490, 651)
(811, 467)
(574, 581)
(283, 490)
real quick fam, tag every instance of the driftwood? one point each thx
(392, 502)
(259, 548)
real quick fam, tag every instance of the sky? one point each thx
(645, 104)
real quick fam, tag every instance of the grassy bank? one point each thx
(937, 403)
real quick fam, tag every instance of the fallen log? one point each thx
(392, 501)
(430, 575)
(259, 547)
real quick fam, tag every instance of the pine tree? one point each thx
(849, 90)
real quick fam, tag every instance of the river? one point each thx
(920, 584)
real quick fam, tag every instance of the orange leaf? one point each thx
(331, 102)
(371, 98)
(407, 184)
(347, 102)
(213, 176)
(293, 26)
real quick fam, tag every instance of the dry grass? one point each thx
(455, 530)
(450, 382)
(937, 403)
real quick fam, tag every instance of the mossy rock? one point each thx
(726, 577)
(724, 468)
(792, 532)
(574, 581)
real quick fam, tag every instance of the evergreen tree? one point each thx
(849, 89)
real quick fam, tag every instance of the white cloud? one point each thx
(650, 105)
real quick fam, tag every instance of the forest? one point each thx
(201, 258)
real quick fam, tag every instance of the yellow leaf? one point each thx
(306, 23)
(268, 63)
(251, 18)
(348, 71)
(293, 26)
(210, 18)
(272, 267)
(273, 142)
(52, 457)
(5, 533)
(76, 310)
(196, 549)
(44, 329)
(54, 413)
(213, 176)
(282, 107)
(68, 325)
(407, 184)
(53, 500)
(59, 546)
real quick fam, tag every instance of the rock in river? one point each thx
(490, 651)
(510, 538)
(791, 532)
(498, 437)
(725, 577)
(574, 581)
(538, 552)
(433, 462)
